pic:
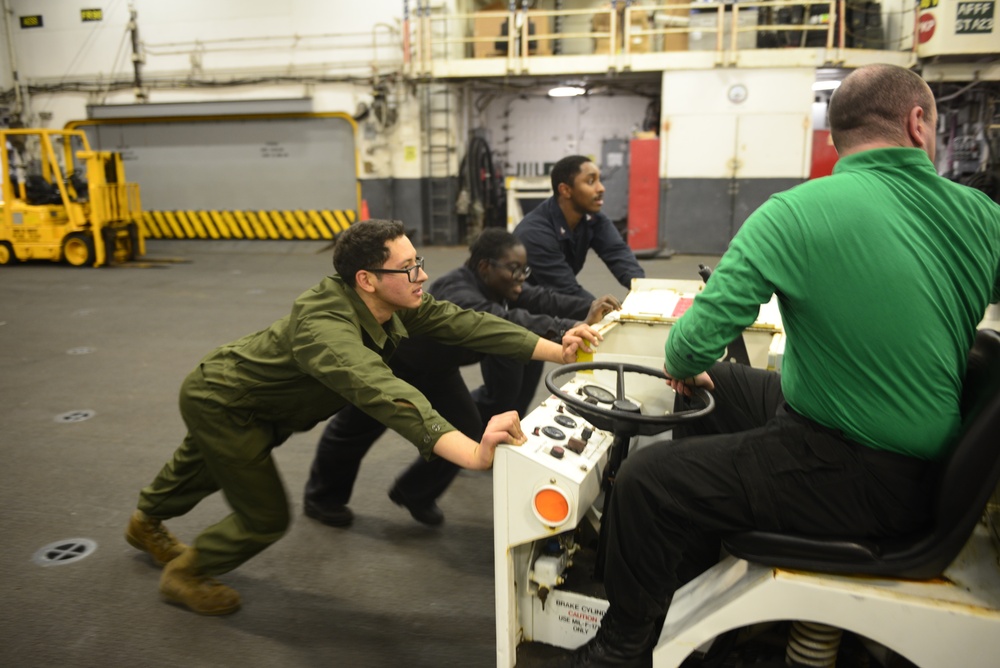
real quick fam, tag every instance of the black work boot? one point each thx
(334, 516)
(616, 645)
(425, 512)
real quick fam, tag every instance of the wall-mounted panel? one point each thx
(699, 146)
(773, 145)
(530, 133)
(731, 138)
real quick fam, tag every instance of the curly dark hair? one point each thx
(363, 246)
(490, 245)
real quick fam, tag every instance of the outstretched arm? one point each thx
(616, 254)
(601, 307)
(582, 337)
(463, 451)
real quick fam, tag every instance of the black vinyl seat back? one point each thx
(38, 191)
(968, 475)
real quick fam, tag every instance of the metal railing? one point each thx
(619, 35)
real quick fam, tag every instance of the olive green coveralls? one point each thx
(249, 396)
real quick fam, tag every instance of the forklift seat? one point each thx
(969, 475)
(38, 191)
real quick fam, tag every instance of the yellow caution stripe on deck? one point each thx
(307, 225)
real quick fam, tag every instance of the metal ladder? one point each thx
(437, 106)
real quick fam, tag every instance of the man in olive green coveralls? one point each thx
(249, 396)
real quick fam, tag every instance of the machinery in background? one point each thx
(62, 201)
(549, 501)
(481, 191)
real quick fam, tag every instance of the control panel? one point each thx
(548, 484)
(561, 440)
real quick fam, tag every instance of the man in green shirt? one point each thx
(249, 396)
(882, 272)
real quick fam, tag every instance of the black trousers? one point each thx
(751, 464)
(351, 432)
(508, 385)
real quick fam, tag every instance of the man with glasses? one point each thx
(560, 231)
(249, 396)
(491, 280)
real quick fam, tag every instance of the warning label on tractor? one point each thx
(974, 18)
(579, 617)
(26, 234)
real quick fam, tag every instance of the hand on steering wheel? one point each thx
(623, 417)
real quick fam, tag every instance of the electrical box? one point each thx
(644, 196)
(951, 28)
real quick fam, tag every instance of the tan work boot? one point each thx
(181, 583)
(149, 535)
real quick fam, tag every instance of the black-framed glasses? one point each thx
(412, 273)
(516, 270)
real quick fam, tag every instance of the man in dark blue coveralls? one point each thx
(560, 231)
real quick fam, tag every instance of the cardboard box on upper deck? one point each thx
(493, 26)
(673, 17)
(640, 19)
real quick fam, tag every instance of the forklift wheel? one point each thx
(7, 255)
(78, 249)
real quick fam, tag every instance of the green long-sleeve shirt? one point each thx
(882, 272)
(330, 351)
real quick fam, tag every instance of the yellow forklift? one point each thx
(64, 202)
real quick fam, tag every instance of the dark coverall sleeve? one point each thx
(537, 309)
(607, 242)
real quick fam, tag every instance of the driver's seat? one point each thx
(899, 601)
(968, 477)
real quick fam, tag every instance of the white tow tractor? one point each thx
(890, 596)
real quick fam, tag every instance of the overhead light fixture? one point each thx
(566, 91)
(826, 85)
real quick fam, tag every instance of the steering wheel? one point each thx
(623, 417)
(623, 420)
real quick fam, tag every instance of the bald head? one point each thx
(873, 105)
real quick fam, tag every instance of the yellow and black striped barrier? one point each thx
(312, 224)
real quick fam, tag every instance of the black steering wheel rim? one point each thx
(646, 424)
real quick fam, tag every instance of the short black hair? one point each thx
(490, 245)
(872, 104)
(363, 246)
(565, 171)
